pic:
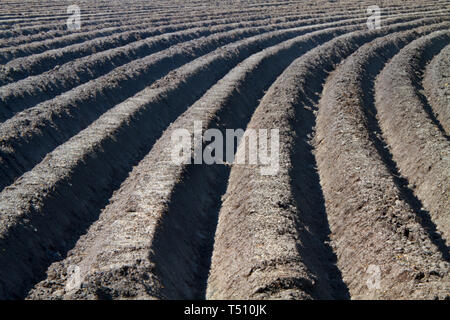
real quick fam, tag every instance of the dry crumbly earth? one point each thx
(93, 207)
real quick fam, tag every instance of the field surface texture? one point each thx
(355, 93)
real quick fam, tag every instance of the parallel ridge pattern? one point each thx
(87, 116)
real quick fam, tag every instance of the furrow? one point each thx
(33, 90)
(95, 203)
(374, 225)
(21, 68)
(161, 18)
(30, 21)
(131, 24)
(88, 24)
(416, 140)
(30, 135)
(97, 151)
(64, 40)
(236, 89)
(272, 235)
(436, 83)
(32, 65)
(8, 54)
(23, 94)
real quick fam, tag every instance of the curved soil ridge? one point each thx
(418, 145)
(173, 231)
(282, 243)
(31, 134)
(366, 209)
(25, 93)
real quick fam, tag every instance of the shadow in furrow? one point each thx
(183, 241)
(426, 58)
(308, 193)
(83, 192)
(87, 190)
(429, 110)
(375, 134)
(191, 218)
(94, 99)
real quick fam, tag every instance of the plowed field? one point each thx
(92, 206)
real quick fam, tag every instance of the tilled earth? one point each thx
(93, 207)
